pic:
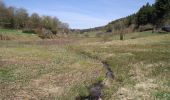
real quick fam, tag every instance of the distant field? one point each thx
(63, 69)
(17, 34)
(109, 36)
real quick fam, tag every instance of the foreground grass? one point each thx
(63, 71)
(42, 71)
(141, 66)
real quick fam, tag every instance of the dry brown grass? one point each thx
(57, 69)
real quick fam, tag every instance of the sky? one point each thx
(81, 14)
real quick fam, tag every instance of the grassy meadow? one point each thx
(64, 68)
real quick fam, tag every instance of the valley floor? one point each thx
(63, 69)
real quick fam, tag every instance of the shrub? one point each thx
(54, 31)
(145, 27)
(5, 37)
(31, 31)
(86, 35)
(106, 37)
(44, 33)
(166, 28)
(99, 35)
(121, 36)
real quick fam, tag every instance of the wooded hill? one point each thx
(148, 17)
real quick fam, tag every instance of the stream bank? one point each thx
(95, 90)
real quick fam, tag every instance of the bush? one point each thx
(86, 35)
(121, 36)
(54, 31)
(145, 27)
(5, 37)
(99, 35)
(30, 31)
(45, 33)
(166, 28)
(106, 37)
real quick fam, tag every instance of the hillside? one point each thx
(148, 17)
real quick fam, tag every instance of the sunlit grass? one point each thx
(140, 65)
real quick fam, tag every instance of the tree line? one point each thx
(154, 14)
(148, 17)
(18, 18)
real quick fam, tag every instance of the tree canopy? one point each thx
(18, 18)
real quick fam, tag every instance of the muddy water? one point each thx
(109, 73)
(95, 91)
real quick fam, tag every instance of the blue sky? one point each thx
(81, 14)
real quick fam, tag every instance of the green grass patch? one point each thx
(7, 75)
(162, 95)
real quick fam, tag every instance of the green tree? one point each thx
(6, 16)
(109, 28)
(47, 22)
(130, 20)
(162, 8)
(21, 18)
(10, 17)
(3, 14)
(55, 23)
(145, 15)
(35, 20)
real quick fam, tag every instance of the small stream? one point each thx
(109, 73)
(95, 90)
